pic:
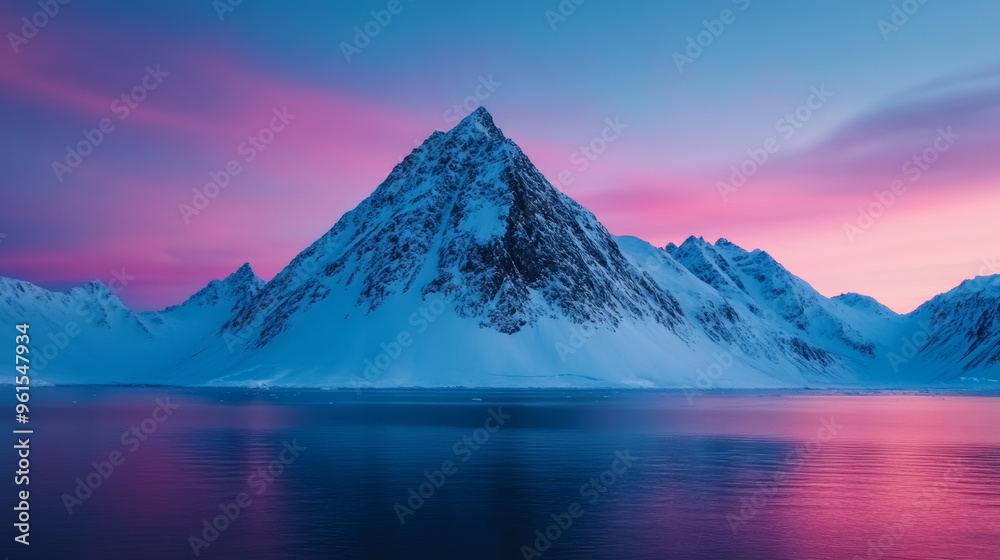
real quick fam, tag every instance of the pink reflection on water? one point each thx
(893, 481)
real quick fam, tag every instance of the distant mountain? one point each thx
(962, 328)
(866, 304)
(466, 267)
(235, 290)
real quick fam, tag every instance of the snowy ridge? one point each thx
(963, 328)
(467, 267)
(237, 288)
(864, 303)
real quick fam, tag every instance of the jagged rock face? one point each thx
(767, 289)
(467, 216)
(511, 235)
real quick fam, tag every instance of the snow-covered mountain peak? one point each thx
(479, 123)
(237, 288)
(97, 294)
(92, 304)
(524, 287)
(244, 275)
(864, 303)
(708, 264)
(468, 217)
(14, 291)
(94, 288)
(987, 286)
(965, 323)
(978, 289)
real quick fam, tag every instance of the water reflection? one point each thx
(735, 477)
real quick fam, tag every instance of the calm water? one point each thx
(729, 477)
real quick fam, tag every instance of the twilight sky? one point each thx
(844, 103)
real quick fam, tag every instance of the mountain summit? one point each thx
(477, 123)
(467, 217)
(466, 266)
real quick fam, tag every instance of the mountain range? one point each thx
(466, 267)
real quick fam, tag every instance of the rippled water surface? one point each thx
(604, 474)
